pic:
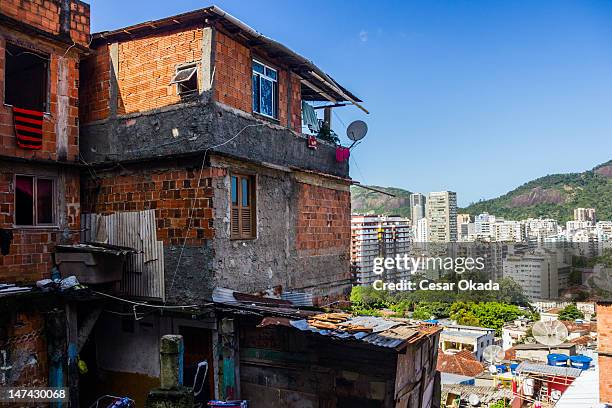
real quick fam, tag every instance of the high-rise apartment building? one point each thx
(463, 222)
(539, 273)
(378, 236)
(584, 214)
(417, 207)
(442, 216)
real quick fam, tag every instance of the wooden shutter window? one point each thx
(242, 221)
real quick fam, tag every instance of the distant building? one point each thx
(507, 231)
(482, 224)
(571, 226)
(421, 230)
(514, 332)
(457, 338)
(585, 214)
(540, 274)
(442, 216)
(375, 236)
(463, 223)
(537, 229)
(417, 206)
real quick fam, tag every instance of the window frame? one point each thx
(46, 87)
(184, 67)
(275, 88)
(252, 207)
(35, 223)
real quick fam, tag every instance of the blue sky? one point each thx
(472, 96)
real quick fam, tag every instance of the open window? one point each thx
(26, 78)
(34, 201)
(243, 216)
(186, 80)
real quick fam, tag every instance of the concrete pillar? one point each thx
(171, 393)
(171, 361)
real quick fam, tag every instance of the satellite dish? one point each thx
(474, 400)
(549, 333)
(357, 130)
(493, 354)
(492, 369)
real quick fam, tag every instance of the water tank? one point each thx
(559, 360)
(581, 362)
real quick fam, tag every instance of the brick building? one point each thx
(191, 131)
(41, 43)
(604, 349)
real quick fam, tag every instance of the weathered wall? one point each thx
(30, 253)
(23, 348)
(45, 15)
(60, 125)
(604, 338)
(281, 367)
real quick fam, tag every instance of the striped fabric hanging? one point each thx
(28, 128)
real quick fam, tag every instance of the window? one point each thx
(34, 200)
(26, 78)
(265, 90)
(186, 80)
(243, 221)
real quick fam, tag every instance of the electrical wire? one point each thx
(194, 199)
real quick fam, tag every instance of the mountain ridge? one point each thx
(551, 196)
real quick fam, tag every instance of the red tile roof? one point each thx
(462, 363)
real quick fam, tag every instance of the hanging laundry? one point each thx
(342, 154)
(309, 118)
(28, 128)
(312, 142)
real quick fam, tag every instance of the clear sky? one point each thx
(472, 96)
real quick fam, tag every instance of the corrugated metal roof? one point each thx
(533, 368)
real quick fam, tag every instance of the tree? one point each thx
(570, 312)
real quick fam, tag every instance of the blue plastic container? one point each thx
(558, 360)
(581, 362)
(501, 368)
(513, 367)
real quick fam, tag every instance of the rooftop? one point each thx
(547, 370)
(317, 85)
(461, 363)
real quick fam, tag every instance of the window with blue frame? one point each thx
(265, 90)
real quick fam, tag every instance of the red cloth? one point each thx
(28, 128)
(342, 154)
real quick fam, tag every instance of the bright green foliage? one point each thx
(570, 312)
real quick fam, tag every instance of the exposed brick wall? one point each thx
(233, 73)
(30, 258)
(94, 92)
(68, 99)
(604, 339)
(170, 191)
(324, 220)
(45, 15)
(296, 103)
(233, 81)
(22, 339)
(147, 65)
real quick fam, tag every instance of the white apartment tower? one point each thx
(417, 207)
(442, 216)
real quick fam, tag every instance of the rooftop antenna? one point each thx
(356, 131)
(493, 354)
(549, 333)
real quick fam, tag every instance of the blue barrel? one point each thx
(581, 362)
(513, 367)
(501, 368)
(559, 360)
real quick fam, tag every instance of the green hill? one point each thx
(554, 196)
(370, 202)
